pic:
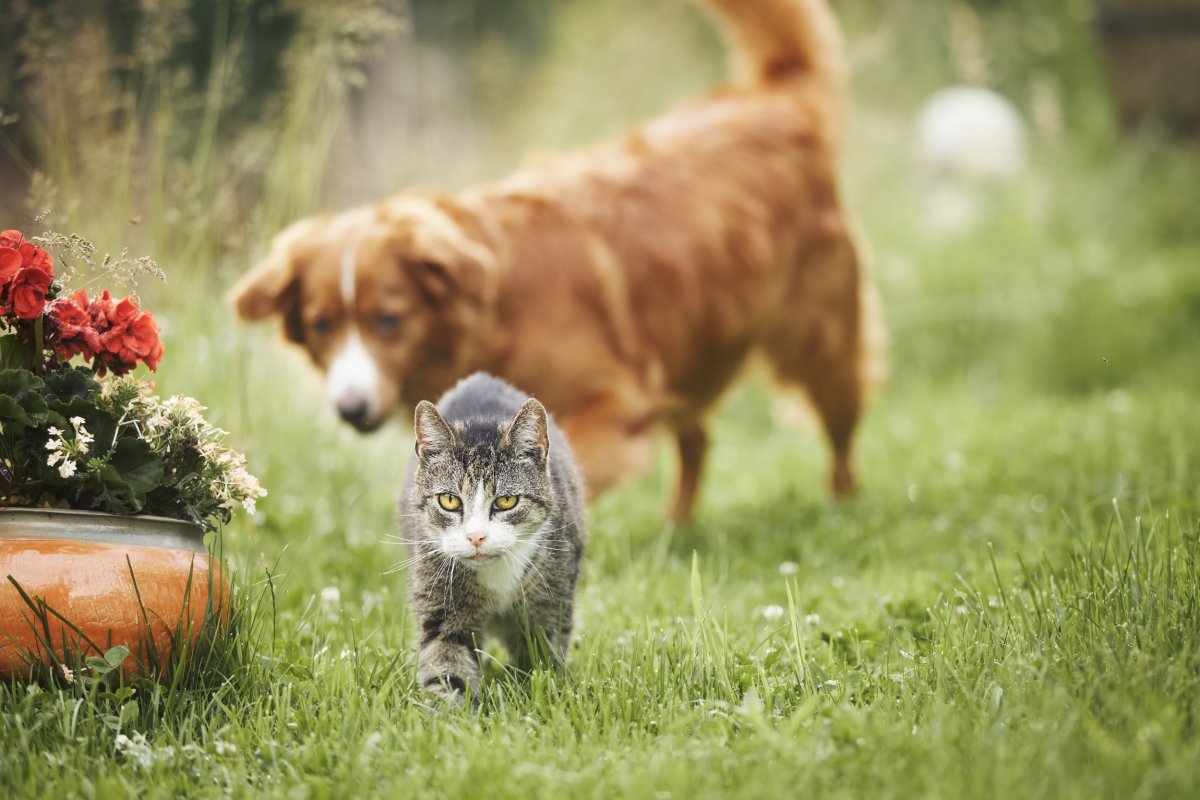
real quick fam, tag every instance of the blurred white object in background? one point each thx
(969, 132)
(968, 139)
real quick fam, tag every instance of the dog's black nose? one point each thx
(354, 409)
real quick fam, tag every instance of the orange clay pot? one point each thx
(90, 569)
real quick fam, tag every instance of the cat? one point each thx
(493, 514)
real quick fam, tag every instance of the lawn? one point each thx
(1009, 607)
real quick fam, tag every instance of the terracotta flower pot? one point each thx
(143, 582)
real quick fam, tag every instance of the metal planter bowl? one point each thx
(75, 583)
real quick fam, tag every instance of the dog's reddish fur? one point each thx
(625, 286)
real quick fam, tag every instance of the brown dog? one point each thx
(625, 286)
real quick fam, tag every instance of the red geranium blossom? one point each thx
(10, 262)
(11, 239)
(113, 334)
(27, 292)
(72, 324)
(26, 272)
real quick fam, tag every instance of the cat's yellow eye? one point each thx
(450, 502)
(505, 502)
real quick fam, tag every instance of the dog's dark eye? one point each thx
(322, 326)
(386, 323)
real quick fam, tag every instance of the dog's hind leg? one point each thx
(835, 391)
(819, 345)
(693, 442)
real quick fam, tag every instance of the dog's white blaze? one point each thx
(353, 373)
(347, 278)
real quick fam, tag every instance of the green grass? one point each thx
(1010, 607)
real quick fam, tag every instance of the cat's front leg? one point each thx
(447, 664)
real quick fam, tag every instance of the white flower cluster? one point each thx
(179, 420)
(209, 477)
(66, 453)
(176, 425)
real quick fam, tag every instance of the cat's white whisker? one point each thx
(393, 539)
(541, 577)
(409, 562)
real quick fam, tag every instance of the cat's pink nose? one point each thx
(476, 539)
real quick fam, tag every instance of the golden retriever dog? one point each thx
(625, 286)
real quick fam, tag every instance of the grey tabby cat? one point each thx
(494, 518)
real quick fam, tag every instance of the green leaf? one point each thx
(132, 471)
(21, 402)
(137, 465)
(76, 382)
(129, 714)
(98, 665)
(116, 655)
(12, 354)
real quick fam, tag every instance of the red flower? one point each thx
(27, 292)
(26, 272)
(141, 335)
(10, 262)
(115, 335)
(112, 334)
(34, 256)
(74, 334)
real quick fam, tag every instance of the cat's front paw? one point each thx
(451, 691)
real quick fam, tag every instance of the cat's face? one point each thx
(485, 494)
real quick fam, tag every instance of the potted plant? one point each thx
(106, 489)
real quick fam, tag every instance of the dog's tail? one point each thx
(775, 40)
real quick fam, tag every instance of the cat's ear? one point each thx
(528, 433)
(432, 432)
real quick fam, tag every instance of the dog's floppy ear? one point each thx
(439, 255)
(257, 294)
(270, 287)
(435, 278)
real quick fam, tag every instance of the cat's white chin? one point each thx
(502, 573)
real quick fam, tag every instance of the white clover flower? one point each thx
(224, 748)
(772, 613)
(135, 748)
(789, 568)
(68, 675)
